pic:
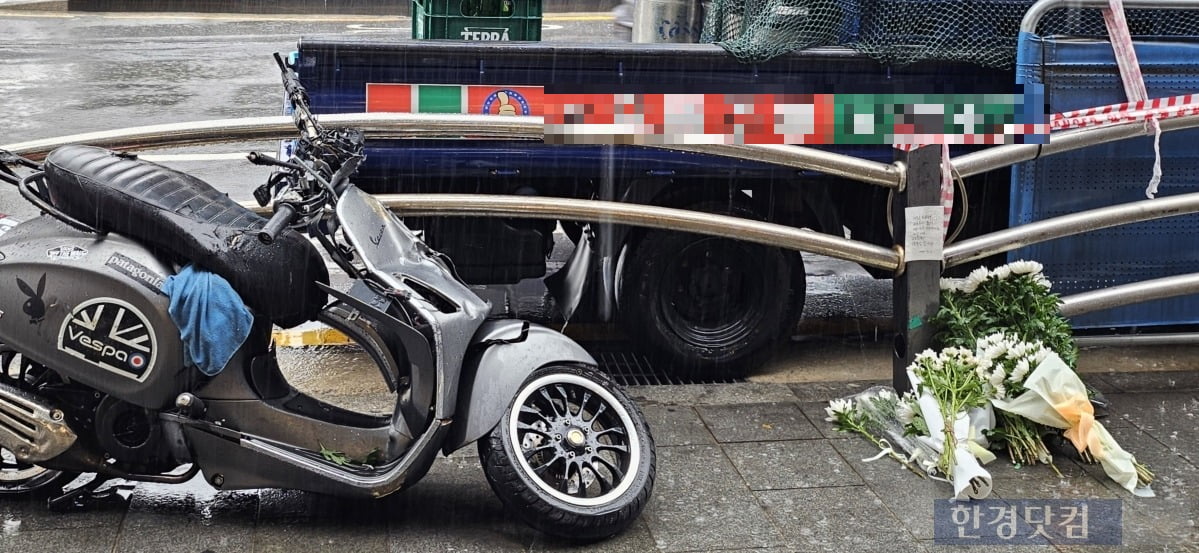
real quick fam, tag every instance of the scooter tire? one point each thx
(23, 481)
(543, 498)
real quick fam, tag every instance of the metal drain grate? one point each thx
(629, 368)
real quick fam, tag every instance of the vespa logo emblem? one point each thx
(112, 335)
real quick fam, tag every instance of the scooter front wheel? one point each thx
(573, 455)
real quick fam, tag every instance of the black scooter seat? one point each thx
(179, 215)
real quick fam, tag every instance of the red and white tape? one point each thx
(1134, 81)
(1145, 110)
(1149, 111)
(946, 189)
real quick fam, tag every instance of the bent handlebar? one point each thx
(284, 213)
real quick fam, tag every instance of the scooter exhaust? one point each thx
(31, 429)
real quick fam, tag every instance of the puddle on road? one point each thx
(345, 377)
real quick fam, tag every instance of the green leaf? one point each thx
(336, 457)
(373, 458)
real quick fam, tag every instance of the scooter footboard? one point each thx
(508, 351)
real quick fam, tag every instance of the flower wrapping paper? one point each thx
(1056, 397)
(967, 476)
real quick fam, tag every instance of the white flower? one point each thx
(1023, 267)
(951, 284)
(1002, 272)
(994, 351)
(886, 395)
(1042, 281)
(927, 354)
(974, 279)
(905, 413)
(837, 407)
(1020, 371)
(958, 352)
(988, 346)
(996, 378)
(1000, 391)
(1040, 355)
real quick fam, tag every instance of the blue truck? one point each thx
(712, 306)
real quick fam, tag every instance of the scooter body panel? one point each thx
(397, 258)
(492, 377)
(91, 308)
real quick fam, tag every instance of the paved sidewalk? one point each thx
(742, 467)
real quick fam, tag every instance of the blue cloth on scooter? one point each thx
(213, 320)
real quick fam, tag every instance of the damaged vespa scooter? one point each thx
(135, 344)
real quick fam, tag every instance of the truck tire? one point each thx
(711, 308)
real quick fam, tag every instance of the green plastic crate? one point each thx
(477, 20)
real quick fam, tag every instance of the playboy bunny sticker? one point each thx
(35, 306)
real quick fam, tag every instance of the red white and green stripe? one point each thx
(441, 98)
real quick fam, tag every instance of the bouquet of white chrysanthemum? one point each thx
(1025, 357)
(1012, 299)
(955, 409)
(1004, 362)
(1052, 395)
(871, 415)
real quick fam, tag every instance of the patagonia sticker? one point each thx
(137, 272)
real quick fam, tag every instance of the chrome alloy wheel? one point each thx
(577, 442)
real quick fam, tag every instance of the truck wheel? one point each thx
(709, 307)
(573, 456)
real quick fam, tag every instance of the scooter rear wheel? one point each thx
(17, 478)
(572, 456)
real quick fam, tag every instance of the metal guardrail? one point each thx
(416, 125)
(395, 125)
(1038, 10)
(888, 175)
(761, 232)
(1127, 294)
(982, 161)
(1068, 225)
(374, 125)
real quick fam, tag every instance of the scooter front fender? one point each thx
(491, 377)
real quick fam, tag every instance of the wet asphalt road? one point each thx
(67, 73)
